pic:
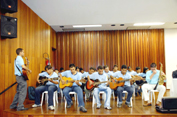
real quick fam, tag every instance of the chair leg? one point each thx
(54, 99)
(42, 99)
(117, 100)
(65, 102)
(93, 102)
(131, 101)
(57, 97)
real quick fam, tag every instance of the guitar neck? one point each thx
(56, 78)
(96, 83)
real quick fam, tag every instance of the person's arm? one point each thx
(153, 73)
(61, 76)
(55, 82)
(24, 67)
(20, 62)
(77, 81)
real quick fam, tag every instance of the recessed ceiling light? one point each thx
(77, 26)
(121, 24)
(149, 24)
(113, 25)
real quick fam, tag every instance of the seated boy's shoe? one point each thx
(51, 108)
(139, 93)
(35, 105)
(22, 109)
(68, 106)
(128, 104)
(147, 104)
(119, 105)
(108, 108)
(136, 94)
(71, 102)
(83, 109)
(98, 107)
(13, 107)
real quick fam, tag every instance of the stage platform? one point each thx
(136, 111)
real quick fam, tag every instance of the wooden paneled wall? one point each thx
(93, 48)
(34, 36)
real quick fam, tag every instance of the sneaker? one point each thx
(22, 109)
(128, 104)
(15, 107)
(108, 108)
(98, 107)
(119, 105)
(83, 109)
(68, 106)
(51, 108)
(35, 105)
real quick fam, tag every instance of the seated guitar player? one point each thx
(102, 87)
(50, 87)
(72, 73)
(127, 87)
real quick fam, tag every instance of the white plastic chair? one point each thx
(75, 98)
(104, 98)
(152, 94)
(46, 97)
(125, 93)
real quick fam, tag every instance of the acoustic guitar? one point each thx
(69, 82)
(94, 85)
(119, 82)
(25, 72)
(44, 80)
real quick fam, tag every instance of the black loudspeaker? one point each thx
(169, 102)
(8, 6)
(169, 105)
(8, 27)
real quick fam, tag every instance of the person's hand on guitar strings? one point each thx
(77, 82)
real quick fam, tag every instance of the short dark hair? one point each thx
(129, 67)
(42, 71)
(71, 65)
(61, 68)
(153, 65)
(56, 69)
(94, 69)
(80, 69)
(48, 67)
(115, 66)
(144, 70)
(77, 68)
(137, 68)
(105, 66)
(91, 68)
(99, 67)
(124, 67)
(18, 50)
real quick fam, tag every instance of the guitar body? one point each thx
(68, 83)
(91, 87)
(114, 83)
(25, 74)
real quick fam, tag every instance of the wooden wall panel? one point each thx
(92, 48)
(34, 36)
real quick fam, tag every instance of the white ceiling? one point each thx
(106, 12)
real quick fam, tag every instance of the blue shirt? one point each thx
(154, 79)
(19, 62)
(54, 75)
(133, 73)
(108, 74)
(126, 76)
(100, 77)
(68, 73)
(112, 73)
(85, 74)
(143, 75)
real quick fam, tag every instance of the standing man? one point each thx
(102, 87)
(72, 73)
(152, 77)
(22, 84)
